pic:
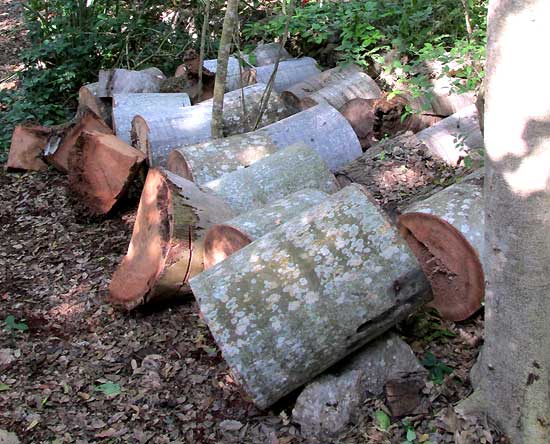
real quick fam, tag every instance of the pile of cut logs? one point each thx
(294, 266)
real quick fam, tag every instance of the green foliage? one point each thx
(109, 389)
(437, 368)
(382, 419)
(11, 324)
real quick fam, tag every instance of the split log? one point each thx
(338, 93)
(88, 98)
(295, 93)
(274, 177)
(289, 73)
(159, 136)
(446, 233)
(307, 294)
(60, 146)
(27, 145)
(454, 137)
(148, 105)
(268, 54)
(322, 127)
(120, 81)
(172, 216)
(233, 80)
(222, 240)
(101, 168)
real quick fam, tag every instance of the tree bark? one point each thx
(27, 146)
(338, 93)
(233, 76)
(446, 233)
(267, 54)
(150, 106)
(101, 168)
(295, 93)
(229, 22)
(290, 72)
(307, 294)
(322, 127)
(512, 375)
(124, 81)
(165, 249)
(158, 136)
(222, 240)
(61, 145)
(88, 98)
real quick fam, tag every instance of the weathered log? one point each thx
(62, 144)
(223, 240)
(27, 144)
(233, 80)
(454, 137)
(446, 233)
(159, 136)
(120, 81)
(267, 54)
(150, 106)
(164, 251)
(445, 101)
(88, 98)
(307, 294)
(321, 127)
(338, 93)
(295, 93)
(288, 170)
(289, 73)
(101, 168)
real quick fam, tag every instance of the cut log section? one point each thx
(159, 136)
(445, 101)
(173, 214)
(289, 73)
(233, 80)
(149, 106)
(125, 81)
(289, 170)
(360, 113)
(268, 54)
(338, 93)
(295, 93)
(88, 98)
(322, 127)
(446, 233)
(315, 289)
(27, 145)
(60, 146)
(101, 168)
(222, 240)
(454, 137)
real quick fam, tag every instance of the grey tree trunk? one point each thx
(124, 81)
(229, 23)
(150, 106)
(233, 76)
(321, 127)
(223, 240)
(512, 375)
(338, 93)
(268, 53)
(310, 292)
(192, 125)
(289, 73)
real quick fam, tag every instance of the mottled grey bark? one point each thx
(513, 374)
(192, 125)
(88, 98)
(321, 127)
(121, 81)
(267, 53)
(289, 73)
(225, 239)
(312, 291)
(284, 172)
(338, 93)
(150, 106)
(295, 93)
(454, 137)
(229, 23)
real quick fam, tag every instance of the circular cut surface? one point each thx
(149, 246)
(177, 164)
(450, 263)
(222, 241)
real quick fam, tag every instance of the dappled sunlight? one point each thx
(253, 154)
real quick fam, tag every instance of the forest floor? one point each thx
(75, 370)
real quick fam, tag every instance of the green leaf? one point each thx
(382, 420)
(12, 325)
(411, 435)
(109, 389)
(4, 387)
